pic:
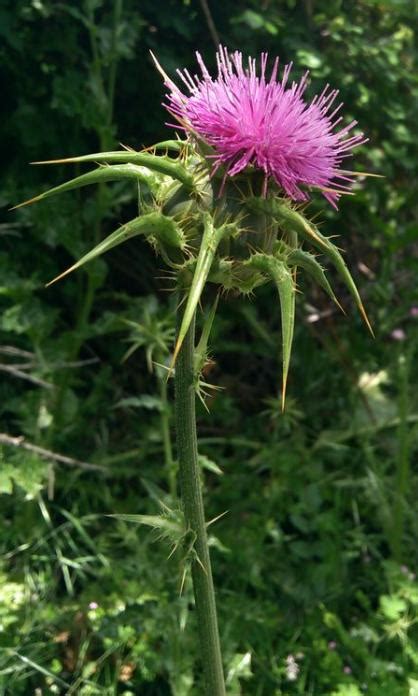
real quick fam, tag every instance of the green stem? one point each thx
(170, 466)
(192, 503)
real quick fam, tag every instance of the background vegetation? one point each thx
(315, 560)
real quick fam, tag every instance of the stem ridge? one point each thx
(192, 503)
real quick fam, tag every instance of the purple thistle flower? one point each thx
(251, 120)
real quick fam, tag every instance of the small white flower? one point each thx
(292, 668)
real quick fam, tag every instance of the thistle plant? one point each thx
(225, 205)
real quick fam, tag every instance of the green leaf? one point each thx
(157, 163)
(392, 607)
(160, 522)
(347, 690)
(239, 668)
(413, 687)
(147, 401)
(210, 465)
(175, 145)
(6, 480)
(25, 470)
(151, 225)
(210, 241)
(201, 350)
(293, 220)
(310, 59)
(309, 263)
(98, 176)
(285, 284)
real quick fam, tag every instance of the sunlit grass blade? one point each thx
(38, 668)
(158, 163)
(97, 176)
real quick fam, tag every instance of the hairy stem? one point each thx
(192, 503)
(169, 463)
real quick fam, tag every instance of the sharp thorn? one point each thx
(28, 202)
(56, 161)
(284, 386)
(218, 517)
(366, 319)
(339, 305)
(60, 276)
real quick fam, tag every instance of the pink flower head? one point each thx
(398, 335)
(251, 120)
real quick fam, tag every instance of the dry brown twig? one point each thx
(20, 441)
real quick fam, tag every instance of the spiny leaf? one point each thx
(211, 238)
(202, 347)
(285, 284)
(201, 355)
(175, 145)
(150, 225)
(160, 522)
(97, 176)
(291, 219)
(287, 216)
(309, 263)
(158, 163)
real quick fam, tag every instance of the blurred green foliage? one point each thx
(315, 560)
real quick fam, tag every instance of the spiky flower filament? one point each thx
(250, 119)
